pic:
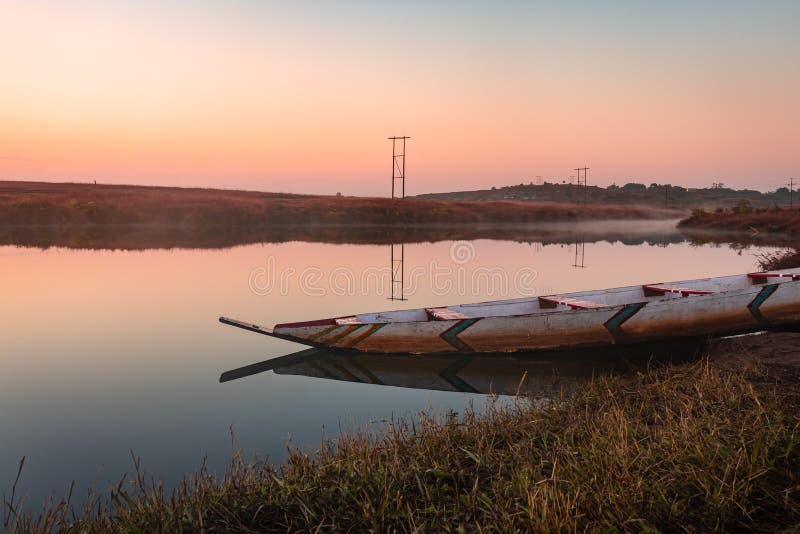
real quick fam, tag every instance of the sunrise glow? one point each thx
(301, 97)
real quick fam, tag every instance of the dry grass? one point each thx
(684, 448)
(41, 204)
(774, 220)
(783, 259)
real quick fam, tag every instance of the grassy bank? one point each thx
(44, 204)
(774, 220)
(775, 226)
(692, 447)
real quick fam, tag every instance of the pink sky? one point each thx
(301, 98)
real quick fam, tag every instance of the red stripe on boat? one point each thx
(793, 276)
(661, 288)
(319, 322)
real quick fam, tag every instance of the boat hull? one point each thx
(756, 308)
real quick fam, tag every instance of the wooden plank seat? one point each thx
(652, 290)
(444, 314)
(761, 278)
(551, 301)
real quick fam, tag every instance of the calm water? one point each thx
(107, 352)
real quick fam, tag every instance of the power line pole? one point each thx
(585, 186)
(399, 164)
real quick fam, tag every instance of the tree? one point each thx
(634, 187)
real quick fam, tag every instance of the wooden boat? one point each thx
(620, 316)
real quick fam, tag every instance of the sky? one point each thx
(301, 96)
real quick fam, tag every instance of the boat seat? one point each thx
(761, 278)
(576, 304)
(652, 290)
(348, 320)
(445, 314)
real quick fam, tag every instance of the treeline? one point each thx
(661, 195)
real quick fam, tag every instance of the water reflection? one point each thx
(536, 375)
(397, 269)
(580, 255)
(108, 351)
(143, 237)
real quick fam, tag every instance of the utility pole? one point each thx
(585, 186)
(399, 164)
(791, 191)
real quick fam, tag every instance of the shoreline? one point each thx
(708, 444)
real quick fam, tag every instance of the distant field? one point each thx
(42, 204)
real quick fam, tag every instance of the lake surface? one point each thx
(108, 352)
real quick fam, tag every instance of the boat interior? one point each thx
(583, 300)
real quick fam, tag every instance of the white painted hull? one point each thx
(620, 316)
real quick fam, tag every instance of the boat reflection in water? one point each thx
(538, 375)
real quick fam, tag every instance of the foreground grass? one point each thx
(692, 447)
